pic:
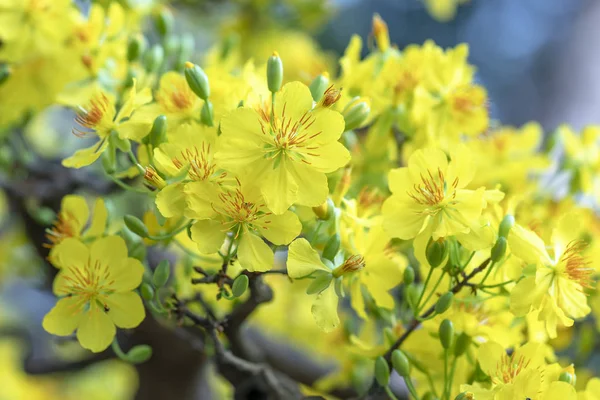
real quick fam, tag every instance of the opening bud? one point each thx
(161, 274)
(409, 275)
(446, 333)
(499, 249)
(274, 72)
(380, 32)
(356, 115)
(136, 47)
(158, 133)
(197, 80)
(444, 302)
(507, 222)
(400, 363)
(436, 252)
(136, 226)
(382, 371)
(352, 264)
(330, 97)
(332, 247)
(318, 87)
(153, 179)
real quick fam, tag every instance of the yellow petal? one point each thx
(85, 157)
(313, 183)
(99, 218)
(527, 245)
(64, 318)
(293, 101)
(279, 189)
(126, 275)
(200, 197)
(522, 296)
(356, 299)
(328, 157)
(402, 217)
(327, 126)
(562, 391)
(243, 123)
(303, 259)
(96, 330)
(171, 201)
(279, 229)
(109, 250)
(74, 209)
(399, 180)
(489, 357)
(125, 309)
(208, 234)
(254, 254)
(324, 309)
(69, 253)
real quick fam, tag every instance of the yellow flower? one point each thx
(190, 148)
(592, 390)
(430, 194)
(96, 286)
(557, 288)
(582, 155)
(72, 219)
(241, 211)
(100, 117)
(287, 157)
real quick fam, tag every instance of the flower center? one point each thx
(433, 189)
(238, 211)
(576, 266)
(177, 98)
(64, 227)
(353, 263)
(509, 368)
(90, 282)
(94, 116)
(200, 161)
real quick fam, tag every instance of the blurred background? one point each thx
(537, 58)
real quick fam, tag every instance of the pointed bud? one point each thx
(153, 179)
(463, 341)
(444, 302)
(446, 333)
(382, 371)
(400, 363)
(139, 354)
(136, 47)
(330, 97)
(409, 275)
(380, 32)
(507, 222)
(352, 264)
(356, 115)
(498, 250)
(318, 87)
(206, 114)
(197, 80)
(239, 286)
(158, 133)
(566, 377)
(332, 247)
(274, 73)
(136, 226)
(161, 274)
(436, 252)
(147, 291)
(109, 160)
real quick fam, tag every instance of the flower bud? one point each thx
(136, 226)
(147, 291)
(444, 302)
(446, 333)
(161, 274)
(206, 114)
(239, 286)
(412, 296)
(318, 87)
(158, 133)
(409, 275)
(4, 73)
(436, 252)
(352, 264)
(325, 210)
(320, 283)
(330, 97)
(463, 341)
(136, 47)
(109, 160)
(274, 73)
(465, 396)
(153, 179)
(382, 371)
(332, 247)
(356, 115)
(380, 32)
(507, 222)
(138, 251)
(139, 354)
(566, 377)
(499, 249)
(197, 80)
(163, 21)
(401, 363)
(154, 58)
(122, 144)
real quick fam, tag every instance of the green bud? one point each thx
(446, 333)
(390, 336)
(206, 114)
(463, 341)
(499, 249)
(163, 21)
(138, 251)
(320, 283)
(139, 354)
(401, 363)
(161, 274)
(318, 86)
(136, 47)
(436, 252)
(122, 144)
(465, 396)
(239, 286)
(274, 73)
(412, 296)
(158, 133)
(507, 222)
(566, 377)
(197, 80)
(429, 396)
(356, 115)
(147, 291)
(154, 58)
(332, 247)
(4, 73)
(136, 226)
(409, 275)
(444, 302)
(382, 371)
(109, 160)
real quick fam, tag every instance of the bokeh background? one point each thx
(537, 58)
